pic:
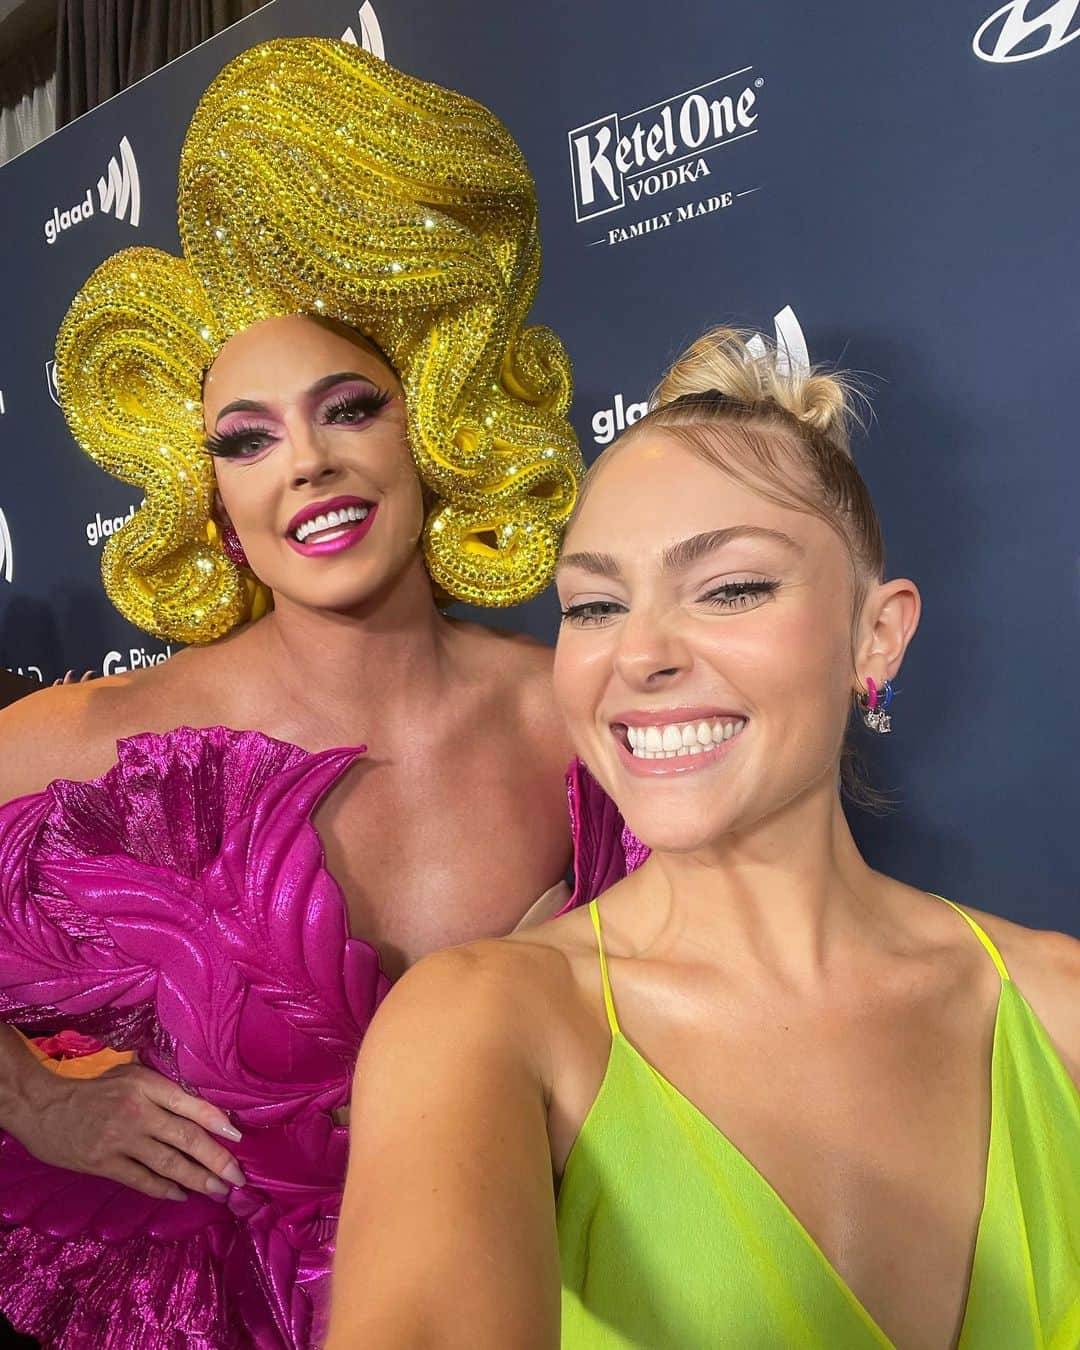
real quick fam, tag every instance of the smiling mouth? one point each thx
(677, 740)
(333, 525)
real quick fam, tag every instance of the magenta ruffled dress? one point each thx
(179, 906)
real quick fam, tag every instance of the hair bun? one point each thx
(748, 369)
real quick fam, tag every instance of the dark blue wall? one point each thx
(914, 202)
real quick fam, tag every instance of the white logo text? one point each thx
(118, 193)
(642, 153)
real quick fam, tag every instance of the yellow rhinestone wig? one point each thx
(316, 179)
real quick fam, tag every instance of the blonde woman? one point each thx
(786, 1100)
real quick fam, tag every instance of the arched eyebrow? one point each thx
(682, 555)
(319, 387)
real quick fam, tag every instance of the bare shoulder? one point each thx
(70, 731)
(493, 987)
(1045, 966)
(504, 994)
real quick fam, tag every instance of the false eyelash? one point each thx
(227, 446)
(369, 404)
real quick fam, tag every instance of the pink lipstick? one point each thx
(330, 526)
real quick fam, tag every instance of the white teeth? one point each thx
(676, 739)
(348, 515)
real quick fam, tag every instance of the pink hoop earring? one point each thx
(232, 547)
(872, 707)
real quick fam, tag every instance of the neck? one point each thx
(788, 894)
(380, 655)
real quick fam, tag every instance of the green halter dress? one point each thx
(670, 1239)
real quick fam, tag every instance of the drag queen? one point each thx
(788, 1101)
(339, 423)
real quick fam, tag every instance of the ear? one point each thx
(889, 619)
(218, 514)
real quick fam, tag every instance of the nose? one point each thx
(652, 653)
(313, 458)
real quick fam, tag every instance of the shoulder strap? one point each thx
(609, 1002)
(980, 933)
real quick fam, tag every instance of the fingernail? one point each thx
(228, 1132)
(232, 1173)
(175, 1193)
(216, 1187)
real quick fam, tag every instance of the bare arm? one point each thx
(447, 1238)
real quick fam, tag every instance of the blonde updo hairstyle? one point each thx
(774, 416)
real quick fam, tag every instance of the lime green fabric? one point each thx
(670, 1239)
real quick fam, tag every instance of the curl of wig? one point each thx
(317, 180)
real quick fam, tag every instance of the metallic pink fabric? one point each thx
(179, 906)
(605, 848)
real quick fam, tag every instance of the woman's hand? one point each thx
(131, 1125)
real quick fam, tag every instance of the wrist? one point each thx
(27, 1089)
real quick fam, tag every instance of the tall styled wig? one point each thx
(317, 180)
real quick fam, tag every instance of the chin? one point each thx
(340, 594)
(663, 834)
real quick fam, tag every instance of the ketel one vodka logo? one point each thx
(118, 193)
(632, 156)
(370, 33)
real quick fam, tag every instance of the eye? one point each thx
(349, 410)
(734, 596)
(592, 613)
(239, 443)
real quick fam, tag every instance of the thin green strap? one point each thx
(995, 955)
(609, 1002)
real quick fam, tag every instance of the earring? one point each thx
(873, 706)
(232, 547)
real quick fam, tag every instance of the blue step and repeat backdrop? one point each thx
(894, 185)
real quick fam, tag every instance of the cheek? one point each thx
(580, 674)
(245, 494)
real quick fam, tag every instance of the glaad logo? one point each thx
(7, 560)
(50, 381)
(118, 193)
(611, 422)
(104, 527)
(1012, 41)
(791, 355)
(659, 147)
(371, 38)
